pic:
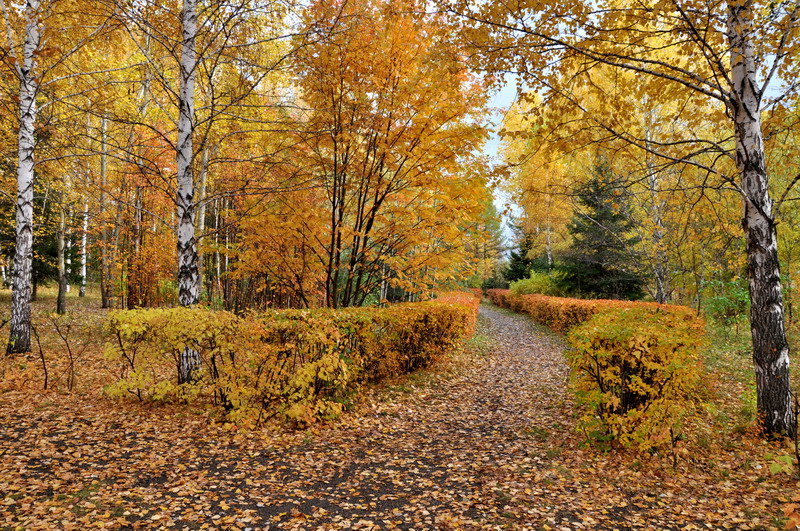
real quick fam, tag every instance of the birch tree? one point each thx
(28, 74)
(218, 48)
(188, 274)
(729, 54)
(42, 63)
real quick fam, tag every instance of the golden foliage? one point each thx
(637, 369)
(634, 364)
(303, 364)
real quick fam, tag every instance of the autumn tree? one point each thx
(42, 38)
(729, 55)
(488, 244)
(203, 69)
(394, 118)
(29, 79)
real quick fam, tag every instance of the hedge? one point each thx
(303, 364)
(636, 365)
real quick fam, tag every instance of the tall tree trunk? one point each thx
(216, 286)
(20, 329)
(105, 261)
(84, 241)
(770, 348)
(201, 217)
(114, 246)
(136, 284)
(188, 278)
(61, 302)
(549, 247)
(659, 259)
(68, 261)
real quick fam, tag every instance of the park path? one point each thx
(454, 449)
(451, 454)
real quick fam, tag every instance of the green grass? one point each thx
(480, 344)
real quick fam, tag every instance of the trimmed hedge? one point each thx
(638, 370)
(303, 364)
(636, 365)
(557, 313)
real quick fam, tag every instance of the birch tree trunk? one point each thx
(188, 278)
(136, 289)
(84, 238)
(659, 259)
(20, 331)
(61, 302)
(770, 347)
(68, 262)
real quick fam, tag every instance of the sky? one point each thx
(501, 101)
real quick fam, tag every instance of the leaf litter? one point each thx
(485, 441)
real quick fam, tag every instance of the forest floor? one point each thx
(484, 441)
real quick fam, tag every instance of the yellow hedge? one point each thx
(304, 364)
(638, 370)
(636, 365)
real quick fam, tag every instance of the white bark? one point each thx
(67, 254)
(549, 247)
(187, 245)
(61, 300)
(20, 333)
(68, 260)
(188, 278)
(770, 347)
(659, 259)
(84, 241)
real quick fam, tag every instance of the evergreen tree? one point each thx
(519, 264)
(599, 263)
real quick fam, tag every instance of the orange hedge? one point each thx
(561, 314)
(636, 365)
(468, 299)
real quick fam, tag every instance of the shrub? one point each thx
(303, 364)
(557, 313)
(634, 364)
(538, 283)
(730, 301)
(471, 300)
(637, 369)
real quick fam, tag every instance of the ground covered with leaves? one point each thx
(485, 441)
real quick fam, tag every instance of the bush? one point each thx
(635, 364)
(730, 301)
(557, 313)
(637, 369)
(303, 364)
(470, 299)
(538, 283)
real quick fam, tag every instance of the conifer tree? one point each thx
(520, 264)
(599, 263)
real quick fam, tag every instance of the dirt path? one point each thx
(488, 445)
